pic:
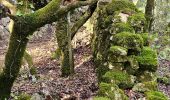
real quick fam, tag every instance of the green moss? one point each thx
(101, 70)
(62, 40)
(123, 27)
(117, 54)
(164, 40)
(56, 54)
(24, 96)
(137, 21)
(101, 98)
(129, 41)
(148, 59)
(164, 80)
(118, 50)
(146, 86)
(106, 89)
(33, 71)
(146, 39)
(117, 59)
(29, 59)
(111, 91)
(155, 95)
(131, 66)
(151, 86)
(121, 5)
(120, 78)
(144, 76)
(116, 66)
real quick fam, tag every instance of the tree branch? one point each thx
(48, 14)
(83, 19)
(10, 6)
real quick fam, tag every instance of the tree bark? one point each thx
(13, 61)
(62, 40)
(67, 66)
(149, 14)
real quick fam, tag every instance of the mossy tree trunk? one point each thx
(13, 60)
(24, 26)
(62, 34)
(62, 39)
(149, 14)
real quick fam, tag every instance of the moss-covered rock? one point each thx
(131, 66)
(123, 27)
(101, 70)
(146, 39)
(122, 79)
(144, 76)
(130, 41)
(148, 59)
(117, 59)
(155, 95)
(146, 86)
(137, 21)
(164, 80)
(116, 66)
(111, 91)
(121, 5)
(118, 50)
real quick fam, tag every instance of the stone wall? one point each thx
(121, 51)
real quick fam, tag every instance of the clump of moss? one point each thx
(117, 54)
(148, 59)
(129, 41)
(155, 95)
(144, 76)
(163, 80)
(106, 89)
(101, 70)
(121, 5)
(137, 21)
(122, 79)
(118, 50)
(117, 59)
(146, 39)
(146, 86)
(116, 66)
(131, 66)
(123, 27)
(111, 91)
(151, 85)
(24, 96)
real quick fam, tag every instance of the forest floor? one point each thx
(48, 81)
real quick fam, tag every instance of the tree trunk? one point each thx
(13, 61)
(62, 39)
(149, 14)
